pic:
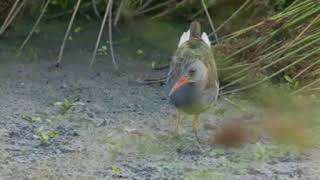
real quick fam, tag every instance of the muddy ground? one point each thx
(82, 123)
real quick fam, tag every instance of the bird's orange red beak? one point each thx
(181, 82)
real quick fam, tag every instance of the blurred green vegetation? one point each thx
(259, 40)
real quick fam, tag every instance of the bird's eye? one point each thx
(192, 71)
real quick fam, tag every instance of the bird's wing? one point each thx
(215, 78)
(175, 64)
(217, 85)
(184, 38)
(174, 71)
(209, 61)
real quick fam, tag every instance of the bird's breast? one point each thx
(189, 99)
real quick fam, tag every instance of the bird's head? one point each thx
(194, 72)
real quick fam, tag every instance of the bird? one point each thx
(192, 80)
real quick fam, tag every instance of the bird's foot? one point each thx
(175, 133)
(197, 137)
(199, 142)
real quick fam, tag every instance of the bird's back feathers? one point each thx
(191, 48)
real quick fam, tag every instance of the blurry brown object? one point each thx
(290, 128)
(234, 134)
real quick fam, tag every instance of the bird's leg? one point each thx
(195, 126)
(178, 122)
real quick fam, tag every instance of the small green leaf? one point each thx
(26, 117)
(116, 171)
(296, 85)
(140, 52)
(288, 78)
(66, 106)
(55, 134)
(44, 137)
(104, 47)
(103, 50)
(36, 119)
(261, 152)
(77, 29)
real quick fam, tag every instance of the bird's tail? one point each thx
(194, 32)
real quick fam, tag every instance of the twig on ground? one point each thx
(146, 4)
(110, 38)
(116, 20)
(12, 16)
(2, 29)
(84, 7)
(95, 9)
(155, 7)
(161, 80)
(35, 25)
(100, 32)
(168, 10)
(161, 67)
(161, 14)
(67, 33)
